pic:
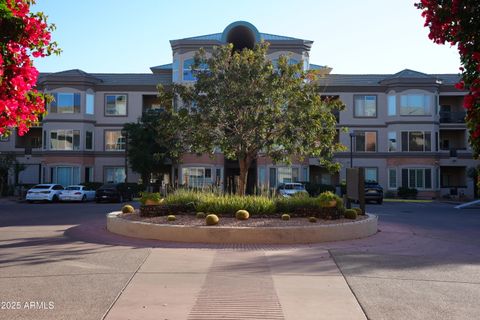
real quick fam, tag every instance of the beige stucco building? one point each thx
(405, 129)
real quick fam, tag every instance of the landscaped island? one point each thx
(187, 216)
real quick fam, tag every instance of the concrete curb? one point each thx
(242, 235)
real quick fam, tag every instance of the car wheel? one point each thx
(380, 201)
(55, 198)
(84, 198)
(30, 201)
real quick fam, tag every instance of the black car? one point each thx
(115, 192)
(373, 192)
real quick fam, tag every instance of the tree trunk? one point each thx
(244, 166)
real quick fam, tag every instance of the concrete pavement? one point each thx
(424, 264)
(237, 284)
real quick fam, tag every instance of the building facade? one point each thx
(405, 129)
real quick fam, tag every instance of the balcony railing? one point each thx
(452, 117)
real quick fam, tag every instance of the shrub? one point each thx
(300, 194)
(312, 220)
(242, 215)
(285, 217)
(200, 215)
(151, 198)
(359, 211)
(294, 204)
(315, 189)
(230, 204)
(390, 194)
(350, 214)
(186, 198)
(407, 193)
(171, 217)
(127, 209)
(211, 220)
(327, 197)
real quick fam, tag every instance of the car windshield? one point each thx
(42, 186)
(72, 188)
(299, 187)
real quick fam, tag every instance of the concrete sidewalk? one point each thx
(302, 283)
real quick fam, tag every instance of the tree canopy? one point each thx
(154, 142)
(457, 22)
(244, 105)
(23, 34)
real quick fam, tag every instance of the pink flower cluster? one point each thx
(20, 103)
(456, 22)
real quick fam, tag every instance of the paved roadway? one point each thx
(58, 262)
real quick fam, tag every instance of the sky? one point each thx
(351, 36)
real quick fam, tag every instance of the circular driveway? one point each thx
(424, 264)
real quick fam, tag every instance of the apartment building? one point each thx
(405, 129)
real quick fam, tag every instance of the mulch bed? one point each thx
(275, 221)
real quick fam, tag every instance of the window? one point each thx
(218, 176)
(371, 174)
(416, 141)
(90, 104)
(65, 103)
(288, 174)
(366, 141)
(114, 140)
(114, 174)
(88, 140)
(417, 178)
(261, 176)
(414, 105)
(305, 174)
(65, 140)
(365, 106)
(392, 178)
(196, 177)
(392, 105)
(392, 141)
(116, 105)
(65, 175)
(273, 177)
(187, 70)
(188, 75)
(89, 174)
(175, 70)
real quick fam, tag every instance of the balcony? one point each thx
(31, 140)
(452, 117)
(453, 140)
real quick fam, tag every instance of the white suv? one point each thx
(44, 192)
(290, 188)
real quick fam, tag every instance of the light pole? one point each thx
(352, 135)
(125, 136)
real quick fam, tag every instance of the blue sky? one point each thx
(351, 36)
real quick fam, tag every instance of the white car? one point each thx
(289, 189)
(77, 193)
(44, 192)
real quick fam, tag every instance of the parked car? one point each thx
(115, 192)
(44, 192)
(77, 193)
(290, 188)
(373, 192)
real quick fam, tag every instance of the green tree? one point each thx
(154, 142)
(8, 162)
(247, 107)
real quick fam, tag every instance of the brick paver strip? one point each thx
(235, 290)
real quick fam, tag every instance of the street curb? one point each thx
(242, 235)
